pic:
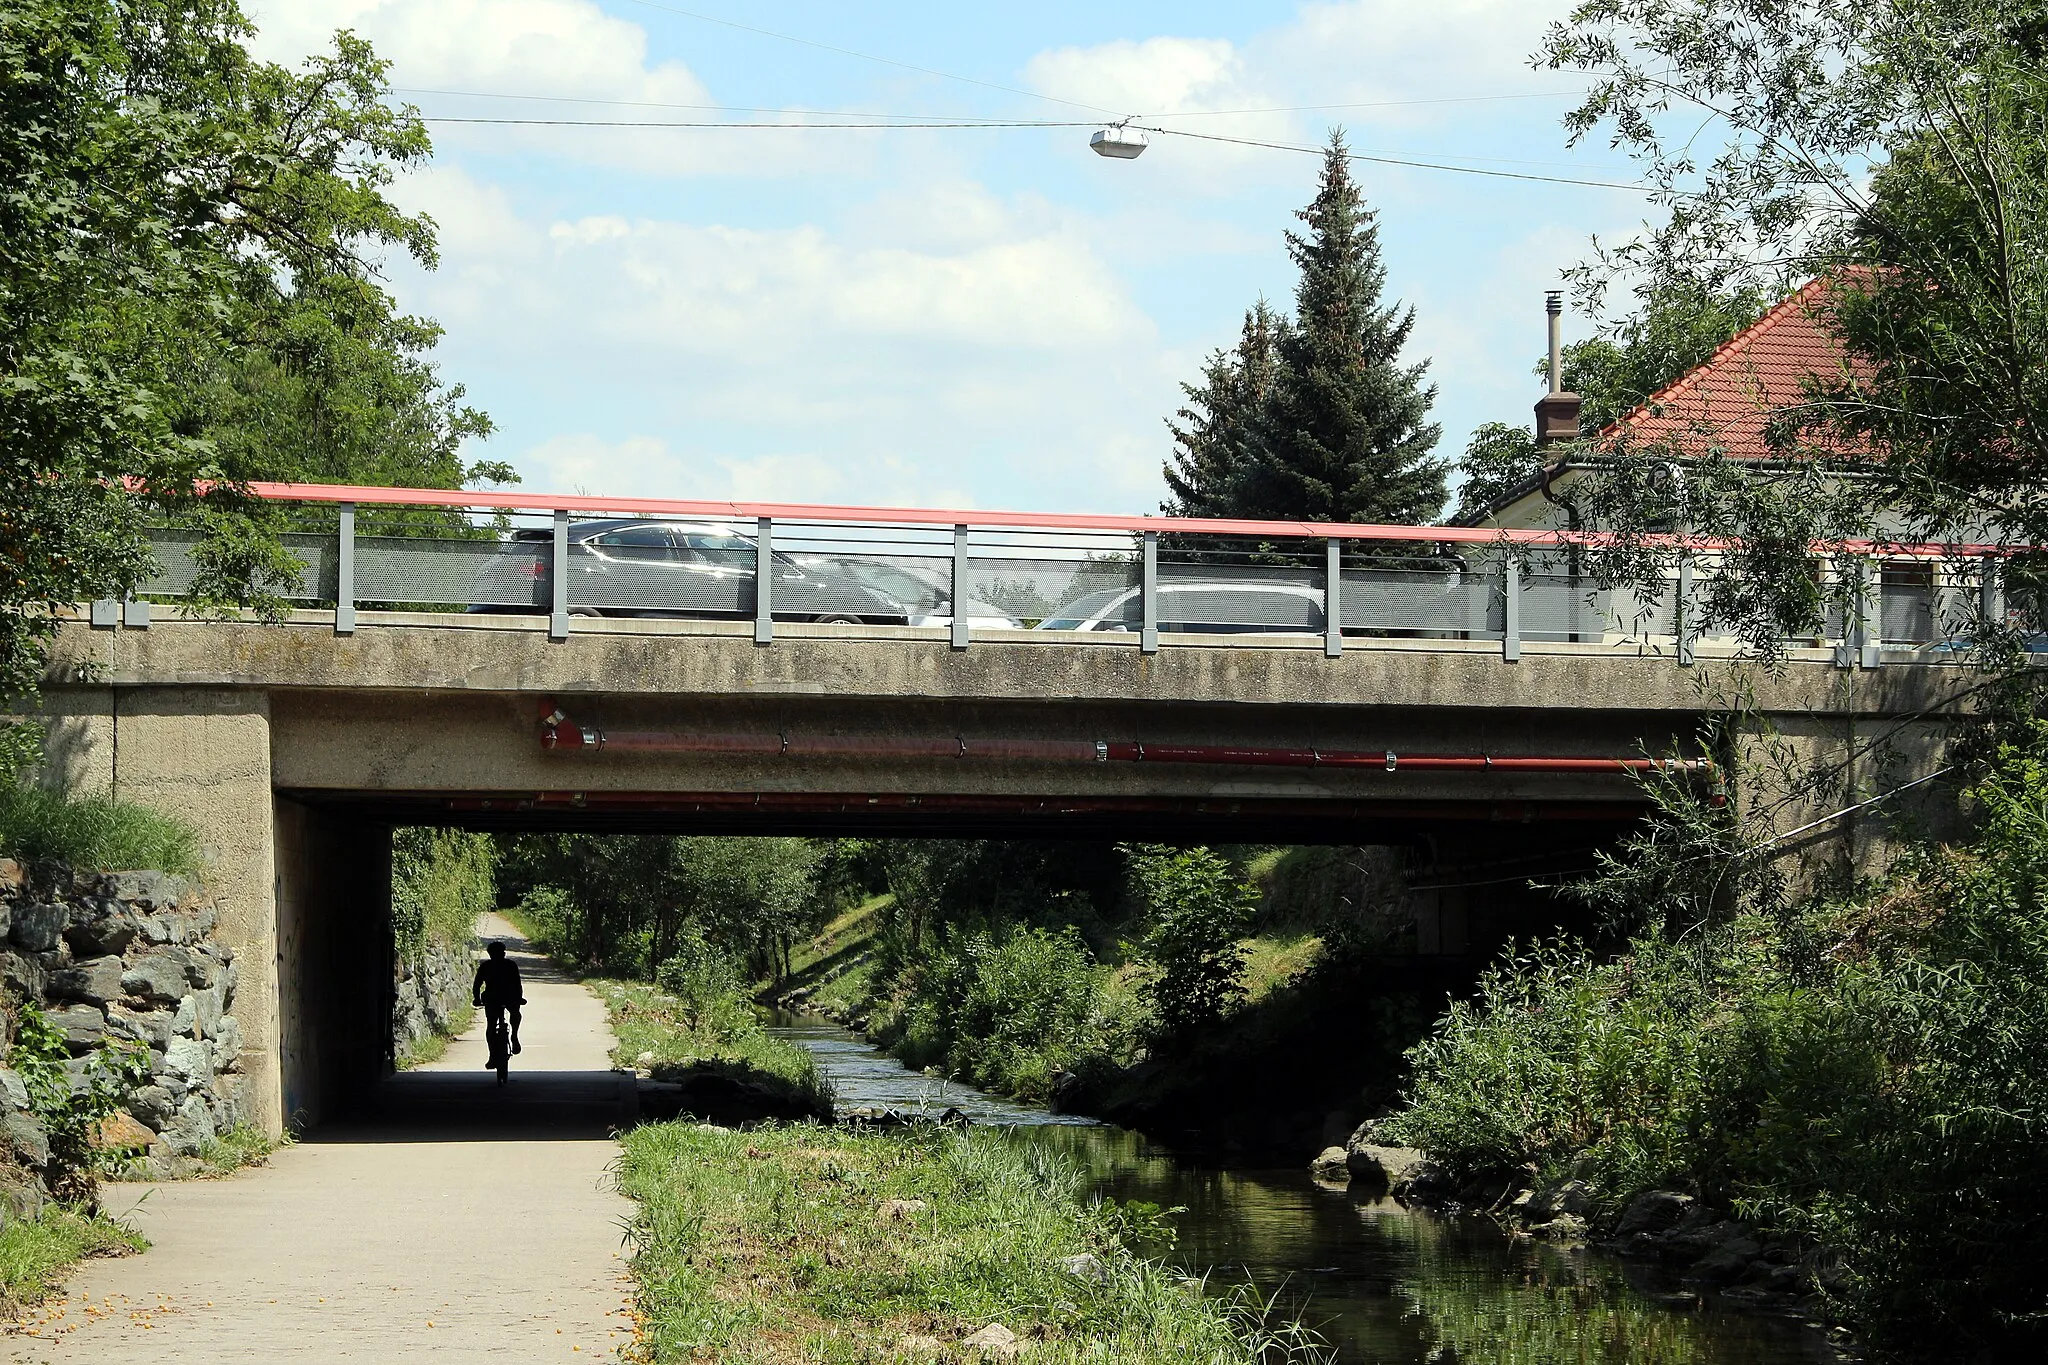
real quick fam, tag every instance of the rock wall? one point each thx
(126, 955)
(429, 990)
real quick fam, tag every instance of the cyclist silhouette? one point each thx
(497, 988)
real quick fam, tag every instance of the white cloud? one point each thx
(806, 362)
(557, 52)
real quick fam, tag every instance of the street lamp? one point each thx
(1119, 140)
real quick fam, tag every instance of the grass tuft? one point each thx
(647, 1020)
(782, 1245)
(94, 833)
(35, 1253)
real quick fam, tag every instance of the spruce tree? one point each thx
(1212, 434)
(1343, 433)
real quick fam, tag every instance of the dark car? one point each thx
(652, 568)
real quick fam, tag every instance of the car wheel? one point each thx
(585, 611)
(837, 619)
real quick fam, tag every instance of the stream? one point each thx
(1384, 1284)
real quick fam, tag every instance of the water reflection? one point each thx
(1384, 1284)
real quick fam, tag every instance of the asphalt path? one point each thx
(457, 1220)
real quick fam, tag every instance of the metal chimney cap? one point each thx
(1553, 301)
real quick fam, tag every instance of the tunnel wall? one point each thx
(334, 959)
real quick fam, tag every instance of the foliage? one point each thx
(71, 1111)
(1212, 434)
(36, 1253)
(1867, 1073)
(626, 901)
(722, 1034)
(1675, 327)
(767, 1247)
(1893, 150)
(94, 832)
(1499, 459)
(707, 985)
(1009, 1011)
(1316, 417)
(187, 263)
(441, 880)
(1199, 908)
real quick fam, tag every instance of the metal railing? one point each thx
(1289, 584)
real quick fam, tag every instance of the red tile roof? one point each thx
(1728, 402)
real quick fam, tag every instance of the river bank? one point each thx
(1379, 1281)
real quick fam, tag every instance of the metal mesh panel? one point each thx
(179, 569)
(1236, 598)
(1077, 589)
(1428, 603)
(640, 578)
(431, 572)
(875, 585)
(1563, 607)
(1906, 610)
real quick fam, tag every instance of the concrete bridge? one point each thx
(296, 746)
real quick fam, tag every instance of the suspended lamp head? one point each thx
(1120, 141)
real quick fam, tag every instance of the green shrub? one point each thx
(1886, 1099)
(71, 1111)
(1200, 909)
(709, 988)
(441, 880)
(550, 918)
(94, 833)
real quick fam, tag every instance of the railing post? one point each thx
(558, 616)
(959, 587)
(1870, 613)
(1148, 597)
(134, 614)
(1681, 614)
(106, 613)
(345, 572)
(1333, 606)
(1991, 594)
(1511, 614)
(764, 578)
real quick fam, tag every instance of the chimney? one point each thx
(1557, 413)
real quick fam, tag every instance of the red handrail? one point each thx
(1046, 521)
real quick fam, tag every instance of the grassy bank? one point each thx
(782, 1245)
(37, 1253)
(679, 1036)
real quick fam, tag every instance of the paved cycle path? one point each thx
(463, 1223)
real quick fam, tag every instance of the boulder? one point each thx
(149, 890)
(153, 1027)
(83, 1026)
(99, 928)
(1540, 1205)
(13, 1090)
(1086, 1266)
(22, 975)
(1331, 1164)
(1379, 1167)
(1653, 1211)
(1427, 1183)
(159, 978)
(1566, 1227)
(12, 878)
(26, 1135)
(96, 981)
(38, 928)
(188, 1059)
(120, 1132)
(193, 1127)
(995, 1340)
(227, 1045)
(153, 1105)
(1730, 1261)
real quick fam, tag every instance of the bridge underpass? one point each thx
(295, 750)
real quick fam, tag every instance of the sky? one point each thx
(981, 317)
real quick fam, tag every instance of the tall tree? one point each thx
(179, 218)
(1212, 434)
(1344, 433)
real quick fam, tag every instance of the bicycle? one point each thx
(498, 1037)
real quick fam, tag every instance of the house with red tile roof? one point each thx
(1724, 405)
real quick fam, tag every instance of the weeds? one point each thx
(816, 1245)
(649, 1022)
(94, 833)
(36, 1252)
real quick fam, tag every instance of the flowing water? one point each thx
(1384, 1284)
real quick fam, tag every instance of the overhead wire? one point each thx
(1396, 161)
(871, 57)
